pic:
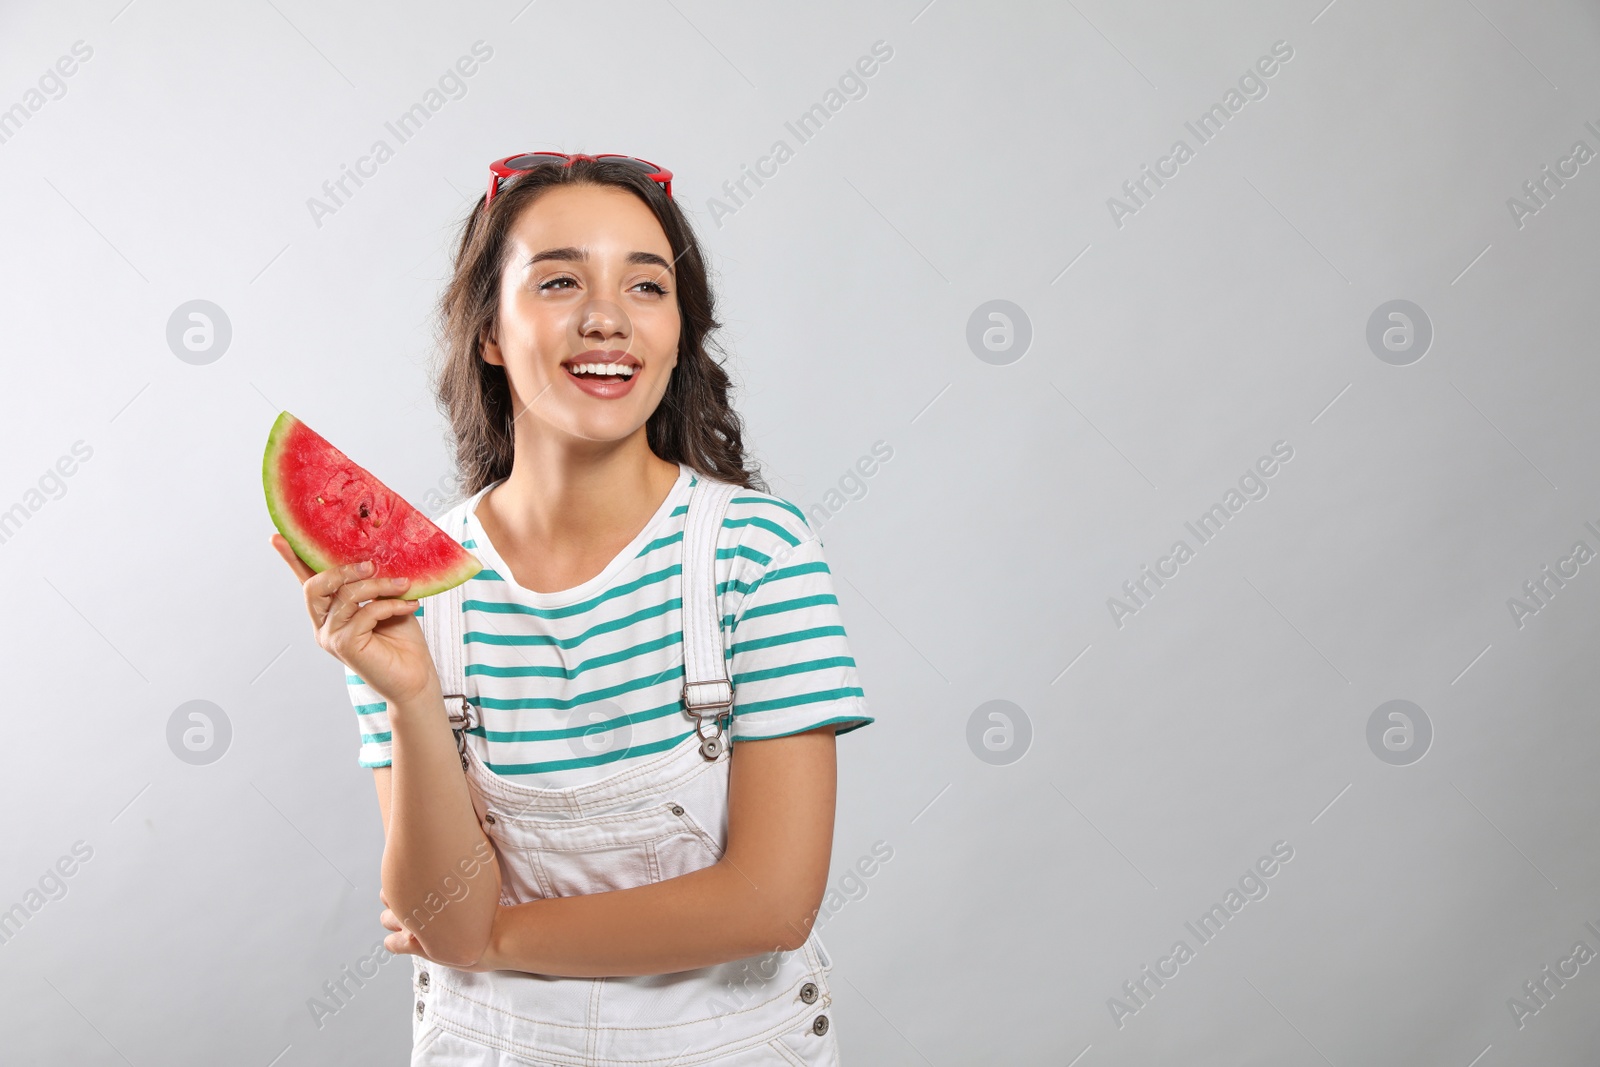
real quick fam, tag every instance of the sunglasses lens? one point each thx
(533, 159)
(637, 164)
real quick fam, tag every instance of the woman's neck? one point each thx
(566, 506)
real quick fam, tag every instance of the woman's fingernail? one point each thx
(398, 582)
(366, 567)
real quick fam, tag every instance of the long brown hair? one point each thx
(694, 424)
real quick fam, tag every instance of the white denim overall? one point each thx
(660, 818)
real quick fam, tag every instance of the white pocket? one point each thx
(562, 858)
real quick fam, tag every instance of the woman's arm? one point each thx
(440, 875)
(762, 896)
(439, 870)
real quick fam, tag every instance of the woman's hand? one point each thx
(381, 641)
(403, 943)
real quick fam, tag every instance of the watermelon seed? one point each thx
(365, 514)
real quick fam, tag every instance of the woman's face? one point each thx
(588, 279)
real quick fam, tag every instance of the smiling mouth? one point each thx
(602, 372)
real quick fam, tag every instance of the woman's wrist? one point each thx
(426, 706)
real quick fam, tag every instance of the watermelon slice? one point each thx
(333, 511)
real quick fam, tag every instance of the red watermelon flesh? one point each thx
(332, 511)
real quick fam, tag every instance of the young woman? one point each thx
(606, 773)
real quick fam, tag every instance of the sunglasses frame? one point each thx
(499, 171)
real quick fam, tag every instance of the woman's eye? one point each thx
(556, 283)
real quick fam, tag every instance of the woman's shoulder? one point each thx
(764, 526)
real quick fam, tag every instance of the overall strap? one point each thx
(707, 689)
(443, 629)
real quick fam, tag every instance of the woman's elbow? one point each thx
(450, 931)
(778, 902)
(790, 937)
(454, 949)
(789, 921)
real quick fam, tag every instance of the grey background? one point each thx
(1168, 354)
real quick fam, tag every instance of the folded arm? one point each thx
(761, 896)
(441, 878)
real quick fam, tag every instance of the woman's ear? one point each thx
(490, 348)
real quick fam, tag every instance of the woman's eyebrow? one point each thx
(580, 255)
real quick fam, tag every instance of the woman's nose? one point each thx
(602, 318)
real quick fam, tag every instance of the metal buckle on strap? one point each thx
(710, 747)
(459, 721)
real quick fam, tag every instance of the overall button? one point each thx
(820, 1025)
(422, 1007)
(488, 817)
(676, 809)
(808, 992)
(422, 983)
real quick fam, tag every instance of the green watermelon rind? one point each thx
(304, 544)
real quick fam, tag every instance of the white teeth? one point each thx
(623, 369)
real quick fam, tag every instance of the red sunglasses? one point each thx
(509, 167)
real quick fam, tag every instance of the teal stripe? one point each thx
(418, 612)
(376, 739)
(619, 656)
(478, 637)
(564, 732)
(469, 543)
(487, 575)
(371, 709)
(789, 638)
(856, 722)
(745, 551)
(727, 524)
(589, 761)
(765, 524)
(790, 605)
(776, 502)
(376, 763)
(794, 701)
(523, 703)
(660, 542)
(350, 679)
(786, 669)
(816, 566)
(622, 590)
(493, 608)
(574, 609)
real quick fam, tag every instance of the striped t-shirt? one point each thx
(573, 686)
